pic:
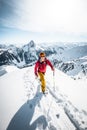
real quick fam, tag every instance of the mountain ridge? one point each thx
(69, 58)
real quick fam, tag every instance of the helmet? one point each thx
(42, 54)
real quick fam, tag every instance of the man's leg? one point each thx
(43, 82)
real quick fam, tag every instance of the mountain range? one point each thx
(71, 58)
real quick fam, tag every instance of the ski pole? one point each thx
(54, 80)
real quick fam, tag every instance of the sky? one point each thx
(43, 21)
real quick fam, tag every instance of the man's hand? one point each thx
(36, 75)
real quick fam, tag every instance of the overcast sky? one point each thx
(43, 20)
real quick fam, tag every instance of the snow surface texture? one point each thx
(24, 107)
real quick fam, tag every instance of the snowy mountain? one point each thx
(30, 52)
(9, 55)
(71, 58)
(24, 107)
(18, 56)
(73, 61)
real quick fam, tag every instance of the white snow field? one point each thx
(24, 107)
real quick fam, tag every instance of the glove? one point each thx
(36, 74)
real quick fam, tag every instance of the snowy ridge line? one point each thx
(36, 97)
(66, 106)
(44, 111)
(32, 90)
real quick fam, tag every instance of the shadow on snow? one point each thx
(23, 117)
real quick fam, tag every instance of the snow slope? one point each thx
(24, 107)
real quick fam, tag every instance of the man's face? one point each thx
(42, 58)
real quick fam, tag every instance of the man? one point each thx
(40, 69)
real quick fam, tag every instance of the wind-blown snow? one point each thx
(24, 107)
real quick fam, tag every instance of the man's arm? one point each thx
(49, 63)
(36, 68)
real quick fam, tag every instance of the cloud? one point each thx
(45, 15)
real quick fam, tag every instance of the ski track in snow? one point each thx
(60, 100)
(47, 100)
(67, 106)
